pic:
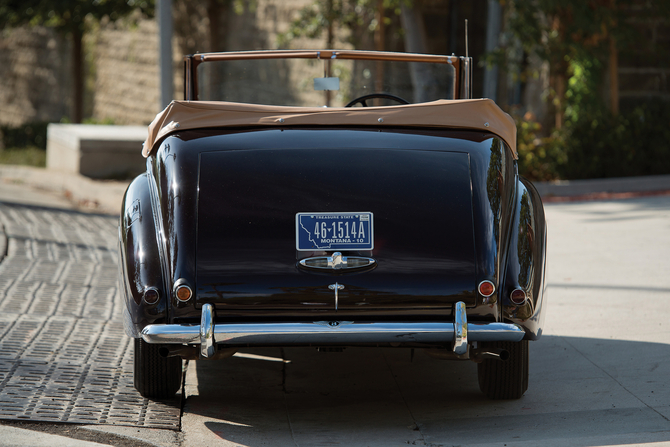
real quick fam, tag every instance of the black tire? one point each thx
(504, 379)
(156, 377)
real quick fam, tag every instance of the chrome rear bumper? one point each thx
(207, 335)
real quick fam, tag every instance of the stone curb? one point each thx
(21, 437)
(149, 437)
(601, 188)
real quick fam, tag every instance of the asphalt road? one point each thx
(599, 375)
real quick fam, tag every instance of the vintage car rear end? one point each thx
(398, 226)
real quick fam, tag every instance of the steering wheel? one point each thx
(364, 98)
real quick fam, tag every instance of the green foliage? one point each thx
(541, 158)
(67, 15)
(594, 143)
(562, 30)
(240, 6)
(27, 135)
(315, 19)
(582, 95)
(30, 156)
(24, 145)
(598, 145)
(629, 144)
(574, 37)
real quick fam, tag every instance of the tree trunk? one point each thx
(423, 80)
(614, 77)
(379, 46)
(559, 66)
(330, 43)
(614, 68)
(77, 75)
(214, 16)
(559, 100)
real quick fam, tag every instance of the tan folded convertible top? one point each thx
(476, 114)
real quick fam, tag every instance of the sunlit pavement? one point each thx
(599, 375)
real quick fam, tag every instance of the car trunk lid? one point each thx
(420, 211)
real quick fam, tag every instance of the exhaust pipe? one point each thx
(476, 355)
(479, 355)
(445, 354)
(193, 352)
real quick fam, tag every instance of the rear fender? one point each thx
(526, 260)
(139, 269)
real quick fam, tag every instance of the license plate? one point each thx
(334, 231)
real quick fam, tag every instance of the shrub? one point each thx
(633, 143)
(600, 145)
(26, 135)
(540, 158)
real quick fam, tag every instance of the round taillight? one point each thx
(486, 288)
(518, 296)
(184, 293)
(151, 295)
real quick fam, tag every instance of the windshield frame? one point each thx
(462, 82)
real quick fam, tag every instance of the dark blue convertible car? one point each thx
(331, 199)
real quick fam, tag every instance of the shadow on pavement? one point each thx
(582, 392)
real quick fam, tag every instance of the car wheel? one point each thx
(504, 379)
(156, 376)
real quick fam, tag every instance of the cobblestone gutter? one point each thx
(64, 356)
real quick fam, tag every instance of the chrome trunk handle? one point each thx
(337, 262)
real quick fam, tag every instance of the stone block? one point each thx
(96, 151)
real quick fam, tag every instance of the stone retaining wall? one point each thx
(35, 72)
(122, 61)
(126, 72)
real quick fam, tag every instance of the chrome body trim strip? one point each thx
(262, 334)
(460, 343)
(207, 341)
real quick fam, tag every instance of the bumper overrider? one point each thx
(208, 335)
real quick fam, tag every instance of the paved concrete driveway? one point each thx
(599, 376)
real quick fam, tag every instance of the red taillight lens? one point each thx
(518, 296)
(151, 295)
(486, 288)
(184, 293)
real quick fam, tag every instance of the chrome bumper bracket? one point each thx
(460, 343)
(207, 341)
